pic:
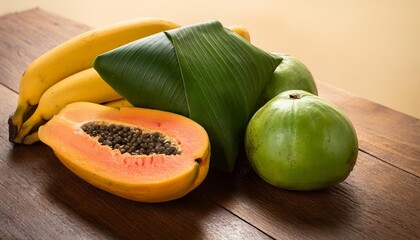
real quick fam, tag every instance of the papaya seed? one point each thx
(134, 141)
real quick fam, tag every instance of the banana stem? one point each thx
(15, 121)
(28, 126)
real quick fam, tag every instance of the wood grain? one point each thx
(375, 202)
(41, 199)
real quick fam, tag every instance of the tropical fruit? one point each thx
(140, 154)
(85, 85)
(299, 141)
(75, 55)
(290, 74)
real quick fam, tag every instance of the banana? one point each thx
(86, 86)
(241, 31)
(75, 55)
(31, 138)
(119, 103)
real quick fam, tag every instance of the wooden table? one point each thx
(41, 199)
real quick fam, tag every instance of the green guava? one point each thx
(290, 74)
(299, 141)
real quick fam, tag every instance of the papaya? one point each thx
(140, 154)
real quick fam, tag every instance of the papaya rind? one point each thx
(163, 191)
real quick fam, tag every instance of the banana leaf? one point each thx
(203, 71)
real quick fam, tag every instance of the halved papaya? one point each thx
(166, 158)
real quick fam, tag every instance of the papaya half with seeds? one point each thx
(140, 154)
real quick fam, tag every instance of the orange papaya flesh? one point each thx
(139, 177)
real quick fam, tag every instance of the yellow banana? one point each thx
(241, 31)
(119, 103)
(86, 86)
(31, 138)
(75, 55)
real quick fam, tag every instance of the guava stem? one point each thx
(294, 96)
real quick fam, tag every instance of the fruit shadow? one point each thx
(273, 210)
(125, 219)
(94, 213)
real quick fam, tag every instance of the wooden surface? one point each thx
(41, 199)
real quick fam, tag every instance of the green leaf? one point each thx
(204, 71)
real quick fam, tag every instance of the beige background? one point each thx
(370, 48)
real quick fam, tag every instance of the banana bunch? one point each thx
(64, 75)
